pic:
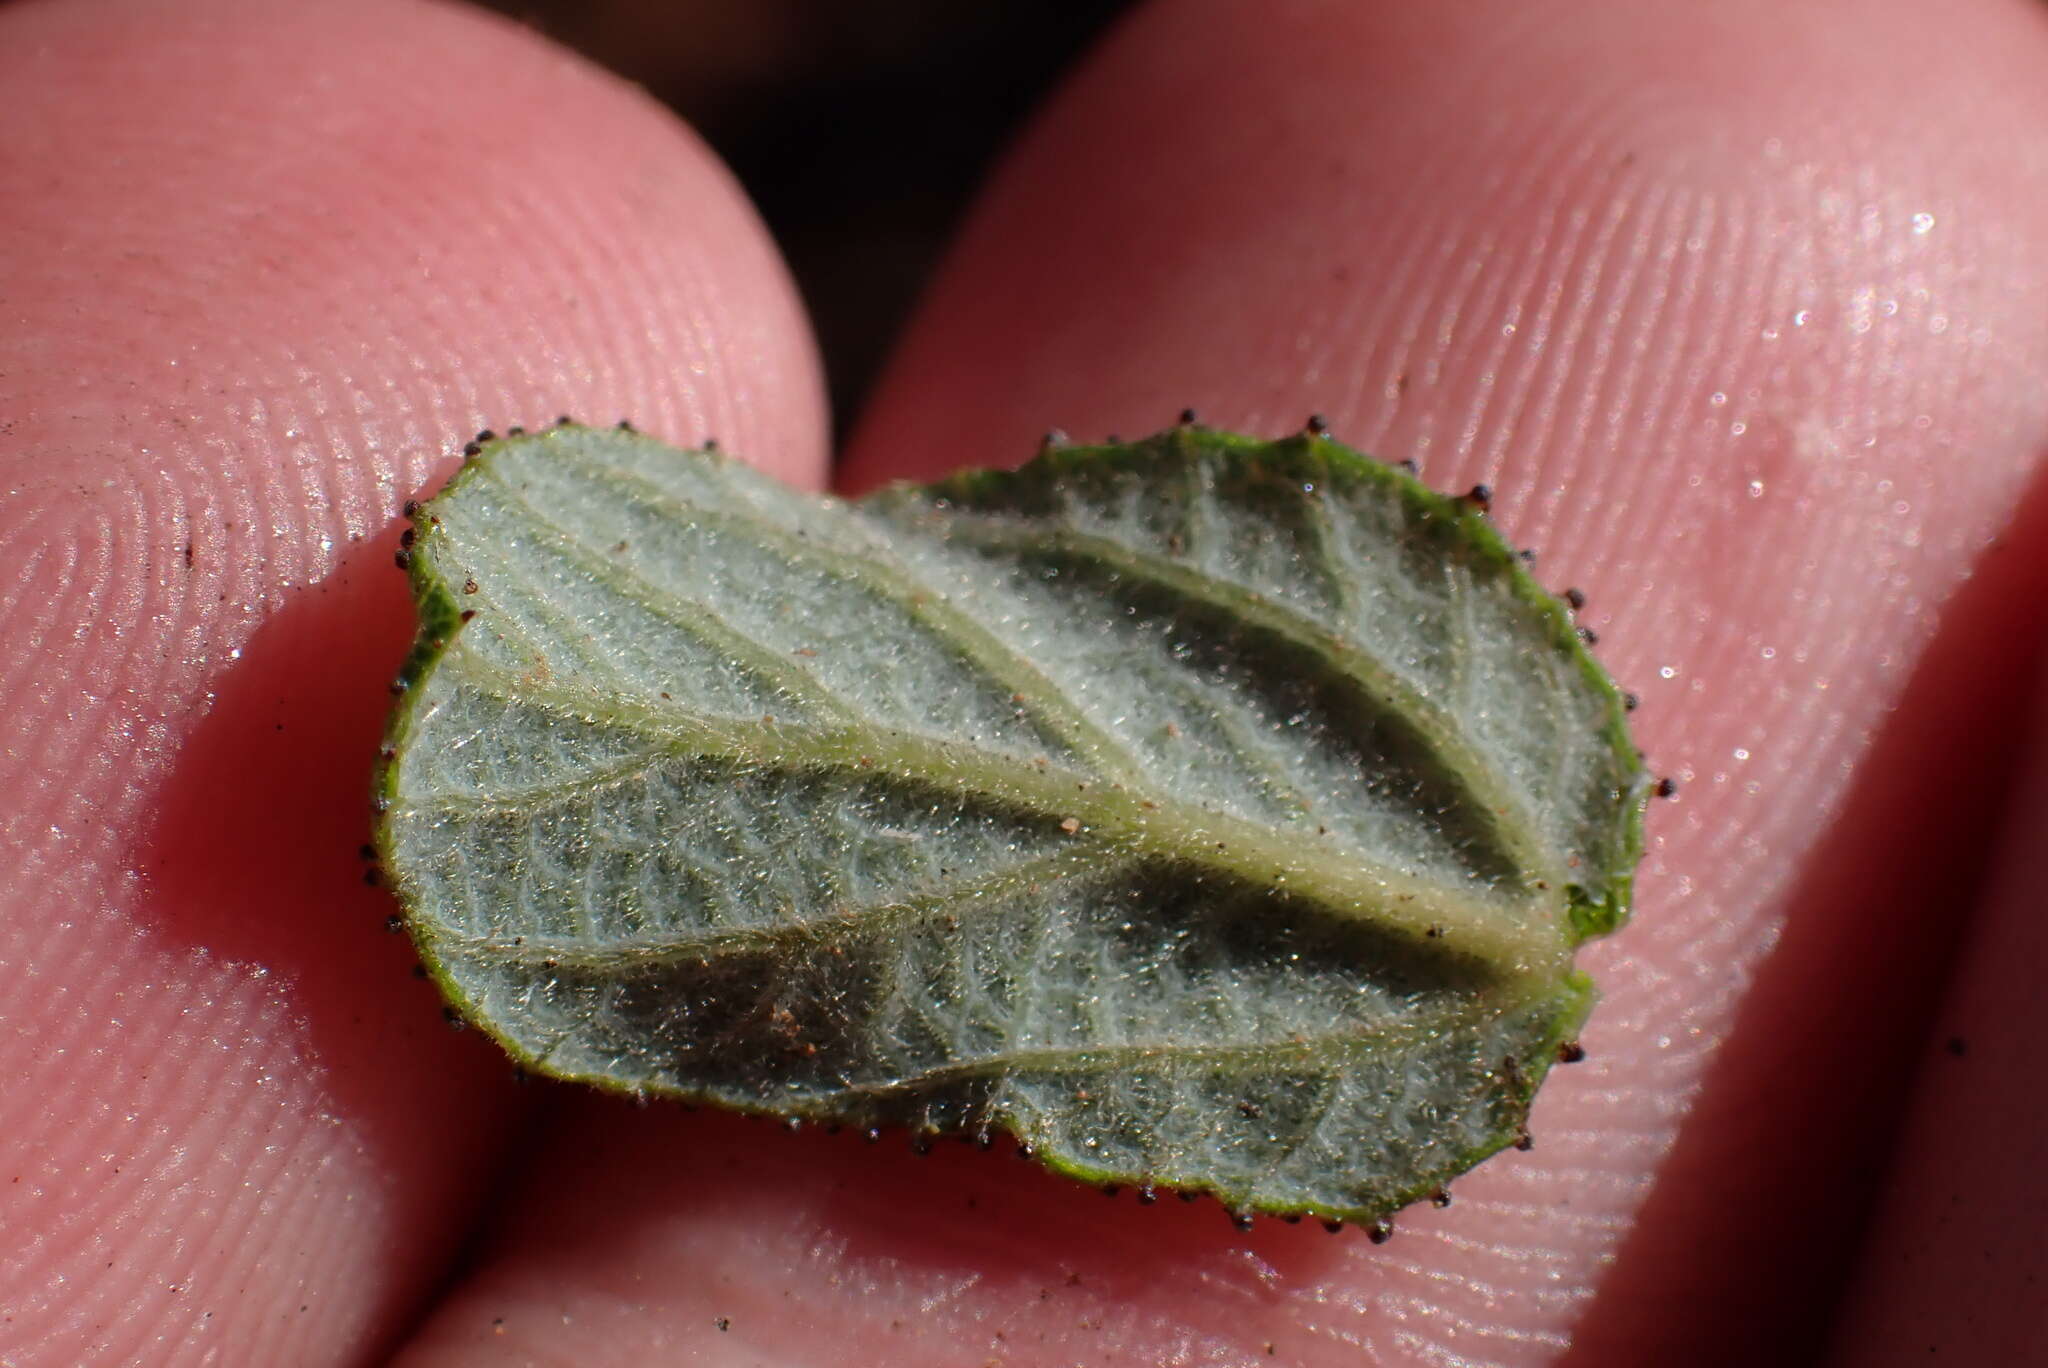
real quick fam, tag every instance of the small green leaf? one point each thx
(1207, 813)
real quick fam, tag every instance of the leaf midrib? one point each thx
(1510, 935)
(1502, 811)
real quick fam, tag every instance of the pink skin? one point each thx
(1656, 276)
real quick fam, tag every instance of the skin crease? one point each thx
(368, 231)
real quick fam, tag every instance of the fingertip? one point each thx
(1741, 317)
(268, 266)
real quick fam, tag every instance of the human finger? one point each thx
(1748, 344)
(265, 267)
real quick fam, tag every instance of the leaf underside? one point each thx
(1207, 813)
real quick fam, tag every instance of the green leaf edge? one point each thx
(438, 604)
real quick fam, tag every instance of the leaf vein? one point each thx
(1504, 812)
(890, 580)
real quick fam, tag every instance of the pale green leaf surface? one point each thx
(1208, 813)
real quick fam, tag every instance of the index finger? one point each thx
(265, 268)
(1748, 345)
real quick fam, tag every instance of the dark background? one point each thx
(861, 130)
